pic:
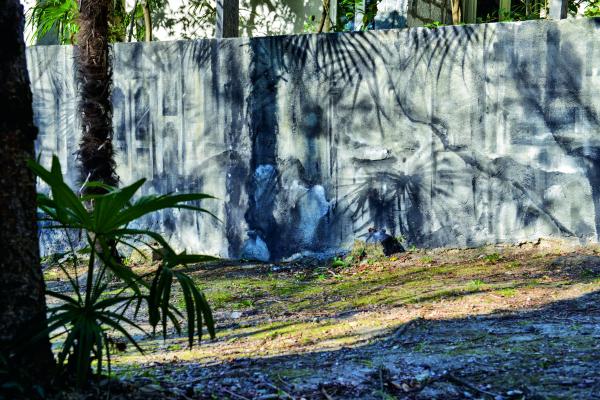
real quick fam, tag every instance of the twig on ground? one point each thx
(280, 391)
(284, 383)
(197, 380)
(268, 397)
(237, 396)
(325, 394)
(334, 274)
(462, 382)
(402, 330)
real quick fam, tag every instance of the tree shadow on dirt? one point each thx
(550, 352)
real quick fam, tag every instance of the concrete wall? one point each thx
(450, 137)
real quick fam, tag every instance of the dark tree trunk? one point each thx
(96, 149)
(228, 18)
(22, 302)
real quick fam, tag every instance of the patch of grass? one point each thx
(51, 275)
(369, 251)
(492, 258)
(246, 303)
(426, 260)
(475, 285)
(533, 283)
(338, 263)
(506, 292)
(218, 299)
(293, 373)
(383, 395)
(420, 347)
(175, 347)
(321, 277)
(589, 274)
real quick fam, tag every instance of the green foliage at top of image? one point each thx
(85, 318)
(592, 9)
(347, 11)
(59, 18)
(524, 10)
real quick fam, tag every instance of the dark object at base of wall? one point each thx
(390, 244)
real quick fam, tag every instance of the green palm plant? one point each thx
(85, 318)
(55, 15)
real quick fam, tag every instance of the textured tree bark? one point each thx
(228, 18)
(324, 23)
(147, 21)
(456, 12)
(96, 152)
(22, 302)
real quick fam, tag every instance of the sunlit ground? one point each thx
(507, 320)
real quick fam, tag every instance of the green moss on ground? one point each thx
(443, 307)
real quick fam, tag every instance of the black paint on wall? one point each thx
(461, 135)
(262, 184)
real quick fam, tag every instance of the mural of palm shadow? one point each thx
(351, 66)
(562, 102)
(433, 65)
(404, 198)
(400, 83)
(272, 61)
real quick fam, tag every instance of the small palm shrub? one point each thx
(85, 318)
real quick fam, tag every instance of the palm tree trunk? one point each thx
(96, 150)
(22, 302)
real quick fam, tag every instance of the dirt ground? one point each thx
(498, 322)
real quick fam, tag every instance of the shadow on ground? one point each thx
(547, 353)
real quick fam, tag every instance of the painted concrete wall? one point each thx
(450, 137)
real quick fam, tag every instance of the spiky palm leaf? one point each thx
(86, 317)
